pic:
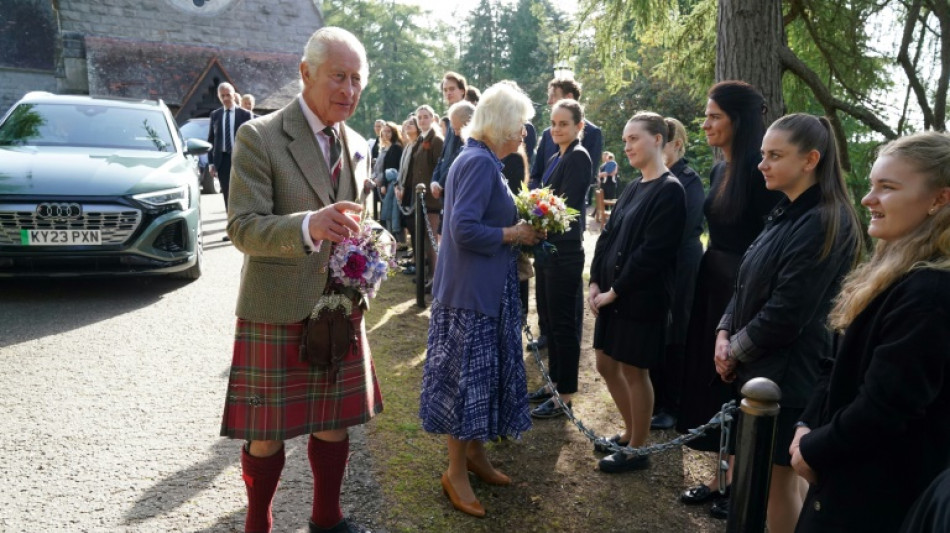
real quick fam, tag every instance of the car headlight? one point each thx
(179, 197)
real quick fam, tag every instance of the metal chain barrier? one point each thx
(421, 204)
(722, 419)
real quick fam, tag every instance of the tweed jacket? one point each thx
(279, 174)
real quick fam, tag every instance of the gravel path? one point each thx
(110, 402)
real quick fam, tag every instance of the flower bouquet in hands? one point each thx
(362, 261)
(358, 265)
(547, 212)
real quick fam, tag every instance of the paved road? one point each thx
(110, 403)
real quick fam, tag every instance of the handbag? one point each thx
(328, 333)
(525, 269)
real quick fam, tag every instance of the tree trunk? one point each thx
(749, 36)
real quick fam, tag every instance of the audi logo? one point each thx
(59, 210)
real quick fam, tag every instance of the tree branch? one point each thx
(942, 9)
(823, 94)
(903, 58)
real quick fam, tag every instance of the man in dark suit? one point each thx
(298, 173)
(247, 102)
(593, 141)
(453, 91)
(225, 122)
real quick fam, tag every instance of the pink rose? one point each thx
(355, 266)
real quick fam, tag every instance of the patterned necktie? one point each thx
(227, 130)
(335, 149)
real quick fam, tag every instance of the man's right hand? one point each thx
(332, 223)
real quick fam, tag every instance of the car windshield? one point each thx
(195, 129)
(86, 125)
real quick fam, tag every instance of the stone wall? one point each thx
(17, 82)
(150, 48)
(255, 25)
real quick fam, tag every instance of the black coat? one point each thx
(778, 312)
(570, 179)
(880, 418)
(643, 270)
(690, 251)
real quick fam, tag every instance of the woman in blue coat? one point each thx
(473, 385)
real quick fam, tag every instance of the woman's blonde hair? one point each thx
(677, 133)
(500, 115)
(928, 246)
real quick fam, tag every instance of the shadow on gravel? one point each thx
(181, 487)
(35, 308)
(361, 497)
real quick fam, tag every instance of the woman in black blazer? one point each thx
(880, 420)
(560, 276)
(775, 324)
(631, 283)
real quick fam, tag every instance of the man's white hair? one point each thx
(317, 48)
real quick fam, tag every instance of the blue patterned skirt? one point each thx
(474, 385)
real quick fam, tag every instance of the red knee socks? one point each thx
(261, 475)
(328, 463)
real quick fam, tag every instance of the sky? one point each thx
(446, 9)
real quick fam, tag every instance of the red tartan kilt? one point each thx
(273, 396)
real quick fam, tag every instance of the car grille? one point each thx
(115, 222)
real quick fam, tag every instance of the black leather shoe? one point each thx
(701, 494)
(549, 409)
(720, 509)
(618, 462)
(540, 395)
(409, 270)
(662, 420)
(344, 526)
(225, 239)
(601, 447)
(542, 342)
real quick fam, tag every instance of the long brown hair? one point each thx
(927, 246)
(807, 133)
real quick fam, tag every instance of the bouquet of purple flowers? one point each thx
(362, 261)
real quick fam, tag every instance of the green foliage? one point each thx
(519, 43)
(483, 52)
(611, 102)
(407, 56)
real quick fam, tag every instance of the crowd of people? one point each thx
(860, 347)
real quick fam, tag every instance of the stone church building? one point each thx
(174, 50)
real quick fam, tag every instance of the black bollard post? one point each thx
(753, 465)
(419, 247)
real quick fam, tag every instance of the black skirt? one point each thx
(634, 342)
(703, 392)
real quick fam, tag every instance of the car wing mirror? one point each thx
(196, 147)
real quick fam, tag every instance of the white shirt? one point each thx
(230, 132)
(316, 126)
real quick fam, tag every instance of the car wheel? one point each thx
(194, 272)
(209, 183)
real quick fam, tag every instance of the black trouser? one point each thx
(561, 289)
(666, 377)
(224, 175)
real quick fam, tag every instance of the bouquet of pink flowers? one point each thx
(362, 261)
(544, 210)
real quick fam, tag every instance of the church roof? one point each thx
(172, 72)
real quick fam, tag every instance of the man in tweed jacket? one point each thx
(297, 174)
